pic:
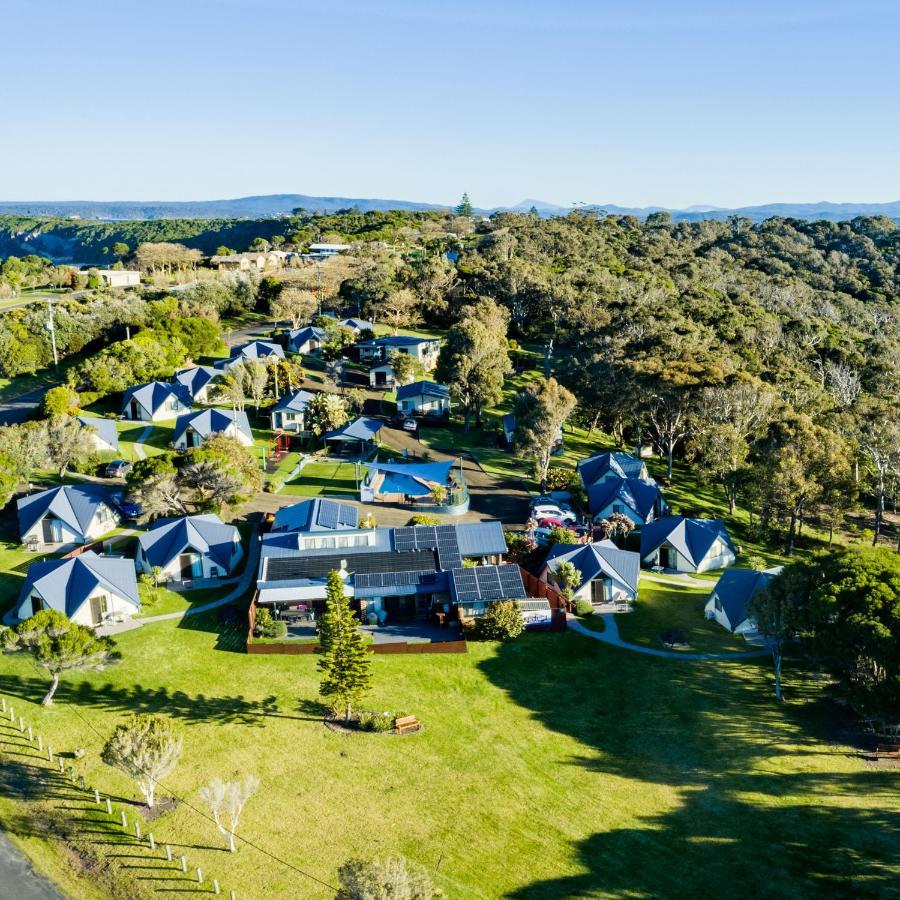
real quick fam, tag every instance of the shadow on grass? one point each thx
(728, 796)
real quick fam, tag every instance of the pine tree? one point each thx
(465, 206)
(345, 664)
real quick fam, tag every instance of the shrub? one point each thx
(382, 722)
(559, 479)
(393, 877)
(274, 486)
(267, 627)
(501, 621)
(561, 536)
(59, 401)
(583, 607)
(423, 519)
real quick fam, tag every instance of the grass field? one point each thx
(157, 601)
(553, 766)
(323, 478)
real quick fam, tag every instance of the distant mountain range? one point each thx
(272, 205)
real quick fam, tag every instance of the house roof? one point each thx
(480, 538)
(361, 429)
(212, 421)
(423, 389)
(65, 584)
(75, 505)
(414, 479)
(397, 340)
(736, 588)
(257, 350)
(194, 379)
(299, 336)
(692, 538)
(598, 559)
(296, 402)
(154, 394)
(106, 429)
(356, 324)
(318, 514)
(624, 465)
(485, 583)
(639, 496)
(205, 534)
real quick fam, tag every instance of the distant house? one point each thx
(608, 575)
(424, 398)
(119, 278)
(641, 501)
(323, 251)
(617, 464)
(245, 262)
(88, 589)
(306, 340)
(190, 547)
(356, 438)
(193, 429)
(378, 350)
(382, 376)
(687, 545)
(260, 351)
(155, 401)
(508, 424)
(289, 414)
(196, 381)
(728, 601)
(357, 326)
(104, 433)
(317, 514)
(71, 514)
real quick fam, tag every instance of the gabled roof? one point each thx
(65, 584)
(480, 538)
(639, 496)
(75, 505)
(356, 324)
(154, 394)
(598, 559)
(194, 379)
(212, 421)
(316, 515)
(296, 402)
(692, 538)
(361, 429)
(257, 350)
(624, 465)
(205, 534)
(735, 589)
(423, 389)
(300, 336)
(105, 428)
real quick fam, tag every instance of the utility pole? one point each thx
(51, 327)
(319, 286)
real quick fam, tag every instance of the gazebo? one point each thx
(356, 438)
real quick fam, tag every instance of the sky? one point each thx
(641, 103)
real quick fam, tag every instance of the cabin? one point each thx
(193, 429)
(306, 340)
(382, 376)
(119, 278)
(70, 514)
(104, 434)
(603, 466)
(155, 402)
(256, 351)
(190, 548)
(608, 576)
(641, 501)
(731, 596)
(289, 414)
(424, 398)
(687, 545)
(197, 381)
(379, 350)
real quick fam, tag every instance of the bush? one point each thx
(423, 519)
(501, 622)
(274, 486)
(59, 401)
(266, 626)
(382, 722)
(393, 877)
(584, 607)
(559, 479)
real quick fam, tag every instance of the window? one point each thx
(618, 509)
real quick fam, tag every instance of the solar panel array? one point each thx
(287, 568)
(431, 537)
(487, 583)
(392, 579)
(327, 515)
(330, 514)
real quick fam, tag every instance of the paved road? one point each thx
(19, 408)
(17, 876)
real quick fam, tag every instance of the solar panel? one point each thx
(348, 515)
(327, 515)
(487, 583)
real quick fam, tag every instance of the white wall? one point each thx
(97, 527)
(116, 605)
(719, 556)
(172, 571)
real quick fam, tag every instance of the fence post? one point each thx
(96, 796)
(3, 702)
(21, 724)
(184, 864)
(152, 842)
(199, 876)
(40, 744)
(62, 765)
(81, 783)
(12, 714)
(232, 895)
(124, 821)
(108, 806)
(50, 754)
(168, 853)
(137, 829)
(30, 735)
(216, 886)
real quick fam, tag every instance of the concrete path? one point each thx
(18, 878)
(139, 442)
(611, 636)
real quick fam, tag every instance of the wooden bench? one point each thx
(406, 723)
(888, 750)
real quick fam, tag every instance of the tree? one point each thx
(295, 304)
(212, 487)
(464, 207)
(162, 495)
(325, 412)
(59, 401)
(226, 801)
(146, 748)
(501, 621)
(59, 645)
(668, 413)
(406, 367)
(345, 663)
(879, 440)
(399, 309)
(232, 388)
(475, 357)
(356, 400)
(256, 377)
(779, 613)
(120, 249)
(24, 448)
(567, 577)
(541, 411)
(392, 879)
(68, 442)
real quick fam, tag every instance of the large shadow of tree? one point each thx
(749, 810)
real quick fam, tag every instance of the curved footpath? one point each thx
(611, 636)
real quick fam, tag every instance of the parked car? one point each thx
(118, 468)
(410, 424)
(550, 523)
(126, 508)
(552, 511)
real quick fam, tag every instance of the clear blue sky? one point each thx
(672, 103)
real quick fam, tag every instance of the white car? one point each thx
(551, 511)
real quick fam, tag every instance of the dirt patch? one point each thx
(166, 805)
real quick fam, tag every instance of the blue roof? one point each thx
(75, 505)
(207, 422)
(357, 324)
(639, 496)
(692, 538)
(361, 429)
(194, 379)
(205, 534)
(65, 584)
(319, 514)
(624, 465)
(299, 336)
(423, 389)
(154, 394)
(296, 402)
(598, 559)
(258, 350)
(105, 428)
(736, 588)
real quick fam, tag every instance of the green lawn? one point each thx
(553, 766)
(157, 601)
(664, 606)
(14, 563)
(324, 478)
(156, 442)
